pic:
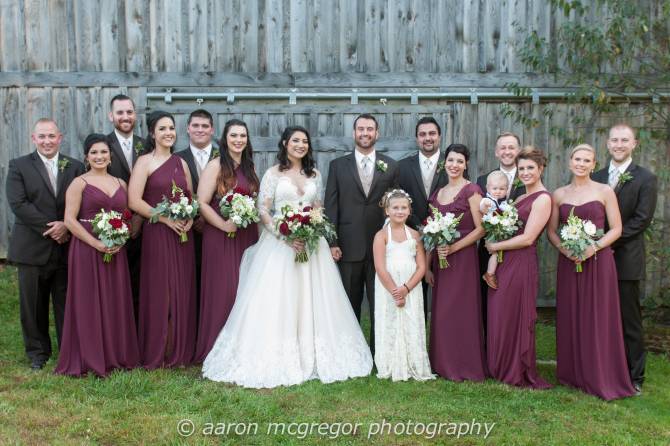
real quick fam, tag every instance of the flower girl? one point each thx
(400, 262)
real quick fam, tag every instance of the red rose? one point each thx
(127, 215)
(229, 198)
(116, 223)
(425, 221)
(307, 209)
(305, 219)
(283, 229)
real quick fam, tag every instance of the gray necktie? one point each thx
(427, 177)
(49, 164)
(613, 178)
(127, 151)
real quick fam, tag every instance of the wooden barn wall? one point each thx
(106, 47)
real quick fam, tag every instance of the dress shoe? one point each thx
(638, 389)
(37, 364)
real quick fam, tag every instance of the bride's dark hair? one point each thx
(308, 163)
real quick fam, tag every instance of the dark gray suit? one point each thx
(120, 169)
(41, 261)
(357, 219)
(637, 203)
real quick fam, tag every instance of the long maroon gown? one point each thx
(221, 258)
(511, 313)
(167, 320)
(590, 352)
(99, 329)
(456, 337)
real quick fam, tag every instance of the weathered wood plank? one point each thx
(109, 35)
(37, 31)
(298, 40)
(135, 42)
(273, 43)
(348, 32)
(12, 36)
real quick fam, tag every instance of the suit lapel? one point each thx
(42, 170)
(376, 173)
(631, 168)
(353, 168)
(118, 153)
(188, 157)
(438, 173)
(61, 175)
(136, 140)
(416, 170)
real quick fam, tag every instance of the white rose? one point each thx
(495, 220)
(237, 219)
(590, 228)
(189, 209)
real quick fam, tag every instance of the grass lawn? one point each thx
(146, 407)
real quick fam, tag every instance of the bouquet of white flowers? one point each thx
(179, 206)
(440, 230)
(112, 229)
(308, 225)
(577, 235)
(501, 224)
(239, 206)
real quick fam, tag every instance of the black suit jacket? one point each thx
(187, 156)
(34, 204)
(119, 167)
(515, 193)
(356, 217)
(410, 179)
(637, 203)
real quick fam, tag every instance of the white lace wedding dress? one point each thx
(291, 322)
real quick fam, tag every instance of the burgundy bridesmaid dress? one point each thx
(590, 352)
(456, 337)
(167, 320)
(99, 329)
(221, 258)
(511, 313)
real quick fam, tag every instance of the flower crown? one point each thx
(395, 193)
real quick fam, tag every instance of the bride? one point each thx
(291, 322)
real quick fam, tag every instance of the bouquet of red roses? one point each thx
(308, 225)
(239, 206)
(179, 206)
(112, 229)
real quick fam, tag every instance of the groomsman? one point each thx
(126, 147)
(419, 176)
(36, 185)
(507, 148)
(636, 190)
(356, 184)
(200, 130)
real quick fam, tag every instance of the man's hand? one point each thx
(336, 252)
(57, 231)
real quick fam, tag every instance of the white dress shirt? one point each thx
(201, 156)
(127, 147)
(619, 170)
(359, 160)
(54, 166)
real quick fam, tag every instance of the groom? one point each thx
(356, 184)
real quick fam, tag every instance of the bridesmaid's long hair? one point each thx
(152, 120)
(463, 150)
(225, 181)
(308, 163)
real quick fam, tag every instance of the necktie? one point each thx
(427, 177)
(366, 165)
(127, 151)
(613, 178)
(428, 164)
(201, 161)
(50, 173)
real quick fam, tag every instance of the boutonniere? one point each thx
(517, 183)
(624, 178)
(139, 148)
(63, 163)
(215, 154)
(381, 166)
(440, 166)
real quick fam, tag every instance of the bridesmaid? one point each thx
(456, 338)
(99, 330)
(167, 319)
(589, 340)
(221, 255)
(511, 310)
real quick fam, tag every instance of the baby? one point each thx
(496, 190)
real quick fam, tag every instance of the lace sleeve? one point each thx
(266, 197)
(318, 199)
